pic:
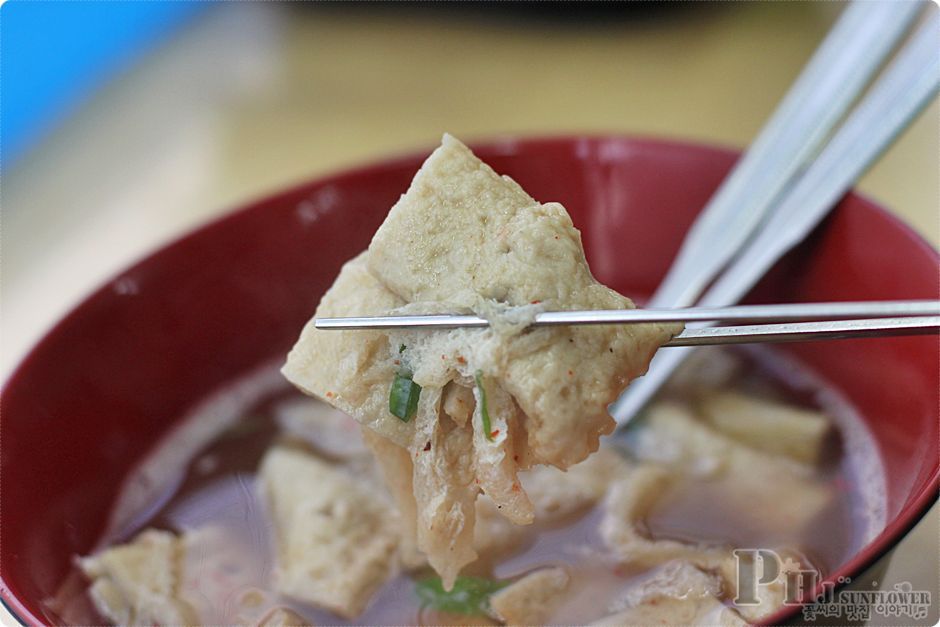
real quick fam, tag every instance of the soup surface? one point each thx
(743, 450)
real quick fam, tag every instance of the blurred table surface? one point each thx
(251, 97)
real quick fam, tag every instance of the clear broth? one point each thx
(203, 474)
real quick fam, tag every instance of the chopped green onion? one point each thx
(470, 595)
(484, 411)
(401, 349)
(403, 397)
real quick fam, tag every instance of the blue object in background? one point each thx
(55, 54)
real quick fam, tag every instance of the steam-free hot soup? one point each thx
(641, 531)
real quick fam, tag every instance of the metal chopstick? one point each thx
(808, 331)
(700, 336)
(835, 76)
(906, 86)
(740, 313)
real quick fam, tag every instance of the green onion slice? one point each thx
(403, 397)
(484, 411)
(469, 596)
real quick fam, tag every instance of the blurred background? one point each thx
(124, 124)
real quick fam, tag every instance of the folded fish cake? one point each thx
(531, 599)
(493, 401)
(463, 237)
(676, 593)
(351, 370)
(336, 538)
(138, 583)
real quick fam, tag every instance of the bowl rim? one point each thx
(890, 536)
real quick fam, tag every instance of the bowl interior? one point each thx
(98, 392)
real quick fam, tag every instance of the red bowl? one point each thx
(108, 381)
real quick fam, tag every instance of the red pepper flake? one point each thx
(443, 357)
(461, 360)
(535, 302)
(427, 447)
(515, 458)
(494, 433)
(330, 395)
(570, 373)
(396, 362)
